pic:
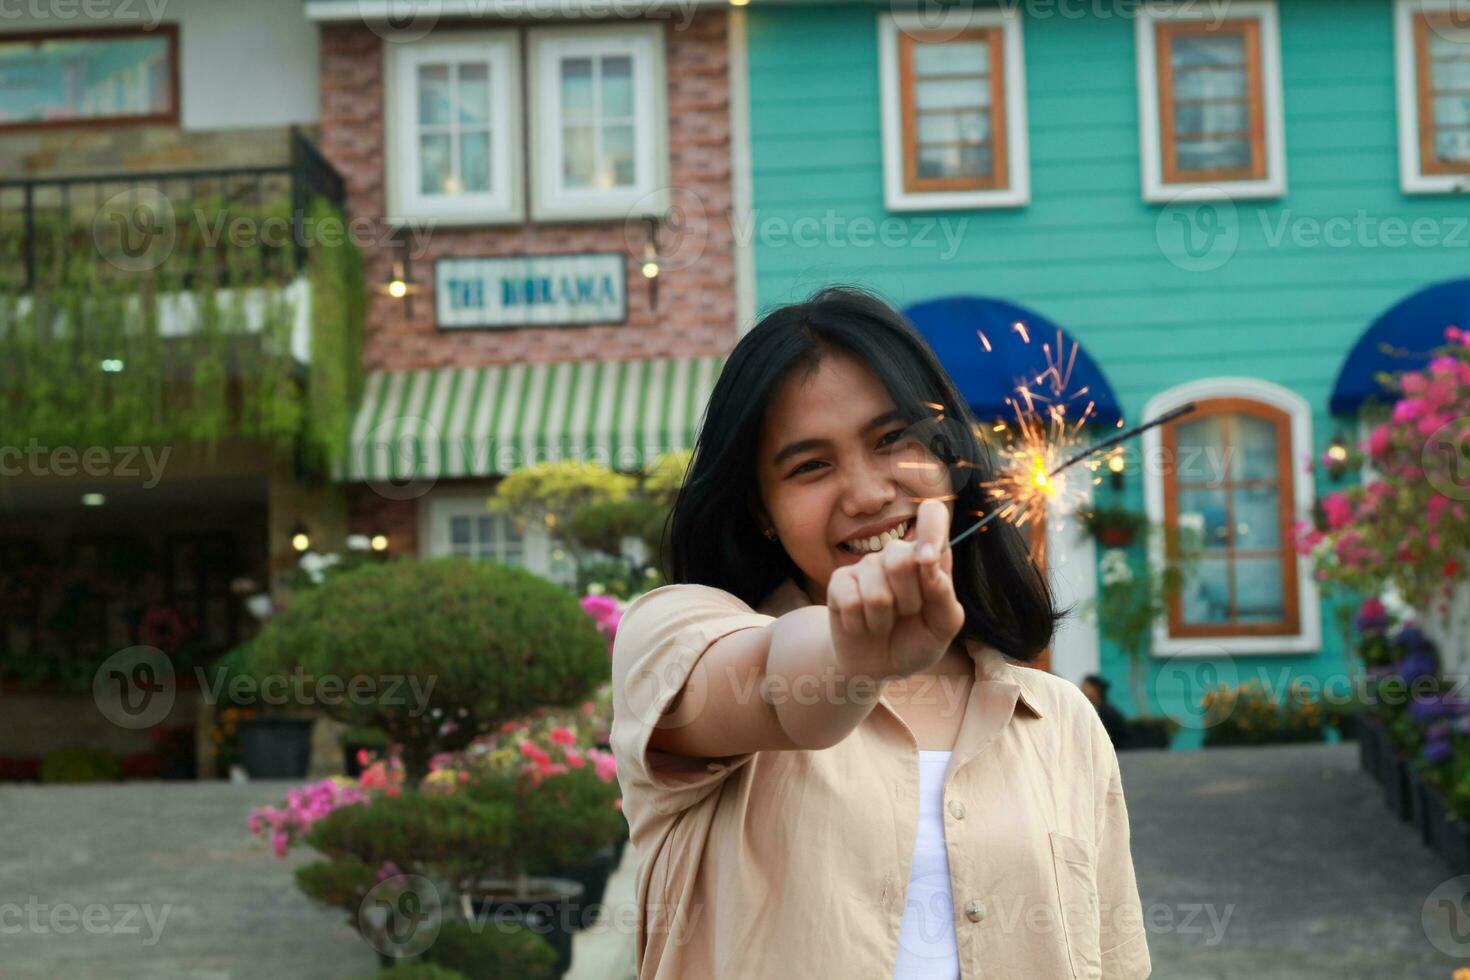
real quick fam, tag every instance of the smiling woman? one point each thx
(772, 750)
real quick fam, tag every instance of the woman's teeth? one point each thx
(862, 546)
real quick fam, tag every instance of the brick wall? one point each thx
(369, 512)
(696, 303)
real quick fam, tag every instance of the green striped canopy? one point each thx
(483, 421)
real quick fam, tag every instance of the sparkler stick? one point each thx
(1108, 443)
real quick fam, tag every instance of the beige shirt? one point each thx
(795, 863)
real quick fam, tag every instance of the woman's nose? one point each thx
(870, 487)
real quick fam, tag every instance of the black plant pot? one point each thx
(550, 911)
(1456, 842)
(1370, 745)
(1435, 815)
(592, 876)
(276, 748)
(1397, 791)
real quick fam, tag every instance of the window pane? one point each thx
(433, 95)
(1199, 446)
(59, 79)
(1258, 590)
(617, 152)
(955, 160)
(1212, 154)
(459, 531)
(952, 58)
(474, 161)
(953, 127)
(1452, 144)
(1211, 118)
(1451, 73)
(576, 89)
(951, 94)
(1202, 513)
(1215, 49)
(1452, 110)
(474, 94)
(578, 164)
(1449, 39)
(1253, 449)
(1204, 597)
(434, 167)
(617, 87)
(1257, 518)
(485, 528)
(1210, 84)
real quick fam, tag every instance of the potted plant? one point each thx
(1248, 715)
(1126, 607)
(1114, 527)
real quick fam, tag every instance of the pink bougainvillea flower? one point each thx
(563, 736)
(1338, 508)
(1378, 442)
(1407, 410)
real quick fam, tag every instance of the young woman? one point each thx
(830, 764)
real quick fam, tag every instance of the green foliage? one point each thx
(234, 374)
(469, 645)
(441, 836)
(343, 883)
(558, 820)
(559, 489)
(602, 526)
(491, 951)
(1248, 715)
(1118, 519)
(666, 476)
(81, 765)
(615, 577)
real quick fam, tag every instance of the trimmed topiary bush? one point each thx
(447, 648)
(420, 971)
(492, 950)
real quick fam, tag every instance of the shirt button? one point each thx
(975, 910)
(957, 809)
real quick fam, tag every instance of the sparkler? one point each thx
(1041, 480)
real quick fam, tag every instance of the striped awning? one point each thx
(483, 421)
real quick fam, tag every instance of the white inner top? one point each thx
(927, 947)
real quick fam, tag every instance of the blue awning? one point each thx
(1410, 331)
(953, 327)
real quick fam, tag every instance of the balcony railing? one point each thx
(226, 226)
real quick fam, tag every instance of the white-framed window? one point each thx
(456, 521)
(1432, 68)
(953, 95)
(452, 130)
(600, 120)
(1226, 484)
(1209, 99)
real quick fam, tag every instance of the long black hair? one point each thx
(712, 537)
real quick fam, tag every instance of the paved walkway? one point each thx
(1267, 863)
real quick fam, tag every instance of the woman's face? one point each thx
(839, 474)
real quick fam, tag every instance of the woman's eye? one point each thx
(895, 432)
(803, 467)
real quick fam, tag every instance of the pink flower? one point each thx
(1378, 442)
(1408, 410)
(532, 751)
(1338, 508)
(563, 736)
(279, 843)
(588, 708)
(574, 760)
(605, 764)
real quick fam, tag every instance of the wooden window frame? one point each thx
(169, 118)
(1291, 623)
(1164, 33)
(994, 38)
(1429, 163)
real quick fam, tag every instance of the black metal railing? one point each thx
(228, 224)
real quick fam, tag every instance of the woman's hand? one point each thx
(894, 613)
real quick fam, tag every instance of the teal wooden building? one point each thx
(1224, 203)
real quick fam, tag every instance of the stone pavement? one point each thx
(1268, 863)
(1295, 845)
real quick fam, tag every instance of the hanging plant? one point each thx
(93, 357)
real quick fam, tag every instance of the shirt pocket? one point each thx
(1074, 861)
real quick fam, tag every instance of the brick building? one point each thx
(563, 278)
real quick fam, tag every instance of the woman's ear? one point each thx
(757, 511)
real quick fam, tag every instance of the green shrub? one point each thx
(342, 883)
(440, 836)
(81, 765)
(491, 950)
(470, 645)
(565, 819)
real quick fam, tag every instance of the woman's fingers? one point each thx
(843, 597)
(902, 569)
(877, 597)
(931, 536)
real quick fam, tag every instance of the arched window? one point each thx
(1223, 483)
